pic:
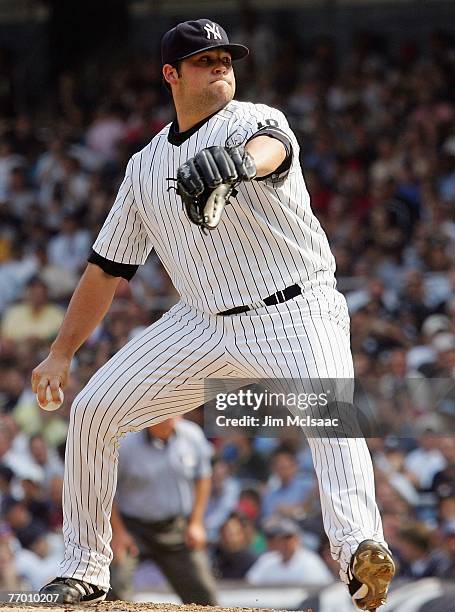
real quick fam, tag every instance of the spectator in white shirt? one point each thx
(287, 562)
(425, 461)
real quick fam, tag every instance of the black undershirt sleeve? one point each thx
(113, 268)
(278, 134)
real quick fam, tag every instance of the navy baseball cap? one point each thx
(192, 37)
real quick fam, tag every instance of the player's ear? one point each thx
(170, 74)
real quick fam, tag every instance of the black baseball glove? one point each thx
(206, 181)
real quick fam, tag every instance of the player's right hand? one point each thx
(123, 545)
(53, 373)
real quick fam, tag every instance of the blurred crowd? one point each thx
(377, 135)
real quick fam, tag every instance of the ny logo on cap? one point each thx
(212, 29)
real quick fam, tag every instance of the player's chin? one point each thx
(223, 90)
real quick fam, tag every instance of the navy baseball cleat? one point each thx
(370, 573)
(74, 591)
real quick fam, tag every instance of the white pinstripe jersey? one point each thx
(268, 237)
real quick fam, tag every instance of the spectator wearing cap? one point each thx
(286, 491)
(424, 462)
(423, 353)
(287, 562)
(232, 557)
(34, 317)
(443, 344)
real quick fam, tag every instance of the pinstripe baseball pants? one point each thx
(161, 373)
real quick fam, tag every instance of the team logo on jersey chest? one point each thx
(212, 28)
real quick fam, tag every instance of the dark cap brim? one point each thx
(237, 51)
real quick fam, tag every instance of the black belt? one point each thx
(277, 298)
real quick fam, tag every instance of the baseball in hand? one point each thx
(51, 405)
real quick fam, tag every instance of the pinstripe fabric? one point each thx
(268, 239)
(161, 372)
(158, 374)
(308, 338)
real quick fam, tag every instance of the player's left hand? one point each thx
(206, 181)
(195, 536)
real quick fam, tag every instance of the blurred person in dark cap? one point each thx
(287, 561)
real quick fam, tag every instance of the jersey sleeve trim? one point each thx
(278, 134)
(113, 268)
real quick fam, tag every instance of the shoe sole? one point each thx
(90, 601)
(373, 565)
